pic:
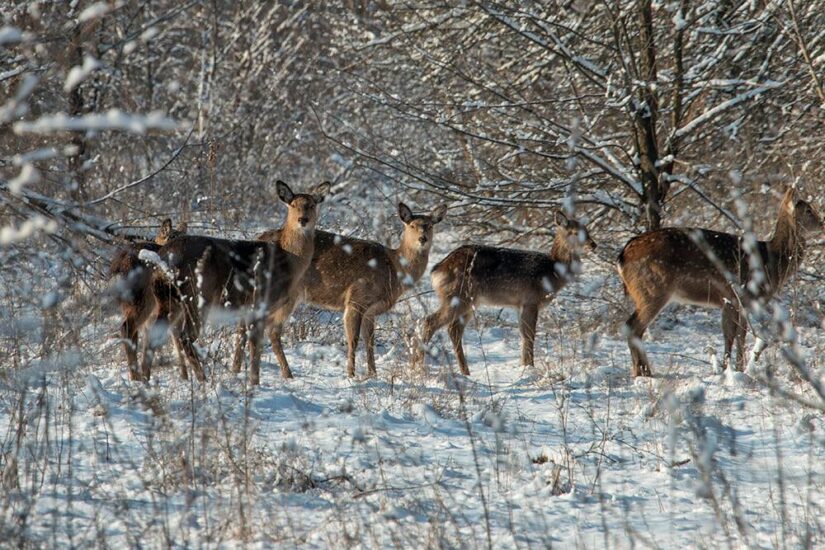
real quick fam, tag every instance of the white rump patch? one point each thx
(438, 278)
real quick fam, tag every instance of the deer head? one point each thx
(302, 210)
(418, 228)
(574, 234)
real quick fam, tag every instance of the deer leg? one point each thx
(240, 343)
(278, 349)
(178, 351)
(368, 334)
(434, 322)
(456, 332)
(188, 335)
(734, 327)
(136, 316)
(527, 325)
(741, 333)
(129, 335)
(352, 328)
(256, 332)
(451, 311)
(729, 314)
(276, 322)
(162, 322)
(636, 326)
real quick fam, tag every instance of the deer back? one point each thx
(341, 262)
(693, 265)
(228, 272)
(498, 276)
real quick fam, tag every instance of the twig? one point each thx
(171, 159)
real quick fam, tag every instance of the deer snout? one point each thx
(422, 240)
(303, 220)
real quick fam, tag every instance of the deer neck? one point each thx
(297, 242)
(410, 258)
(561, 252)
(563, 261)
(785, 250)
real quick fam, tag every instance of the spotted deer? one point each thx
(711, 269)
(474, 275)
(133, 290)
(259, 281)
(364, 278)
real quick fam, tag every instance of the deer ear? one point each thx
(560, 218)
(183, 227)
(321, 191)
(284, 192)
(404, 213)
(438, 213)
(789, 200)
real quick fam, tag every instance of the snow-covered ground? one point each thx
(571, 453)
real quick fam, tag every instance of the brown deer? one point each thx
(133, 292)
(474, 275)
(264, 278)
(711, 269)
(365, 279)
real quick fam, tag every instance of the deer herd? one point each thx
(171, 283)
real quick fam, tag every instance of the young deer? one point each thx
(706, 268)
(133, 291)
(263, 277)
(364, 279)
(473, 275)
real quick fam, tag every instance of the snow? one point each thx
(10, 234)
(78, 74)
(679, 21)
(96, 10)
(10, 35)
(152, 257)
(571, 452)
(28, 175)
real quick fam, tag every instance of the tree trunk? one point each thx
(645, 121)
(76, 107)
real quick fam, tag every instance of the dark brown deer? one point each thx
(364, 278)
(711, 269)
(260, 281)
(474, 275)
(133, 291)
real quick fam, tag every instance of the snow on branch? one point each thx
(407, 29)
(10, 234)
(79, 73)
(722, 107)
(111, 120)
(97, 10)
(66, 214)
(152, 257)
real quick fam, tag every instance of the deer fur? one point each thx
(474, 275)
(263, 278)
(711, 269)
(364, 278)
(133, 290)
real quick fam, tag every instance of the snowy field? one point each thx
(629, 115)
(573, 453)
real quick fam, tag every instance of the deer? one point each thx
(365, 279)
(133, 292)
(474, 275)
(713, 270)
(194, 273)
